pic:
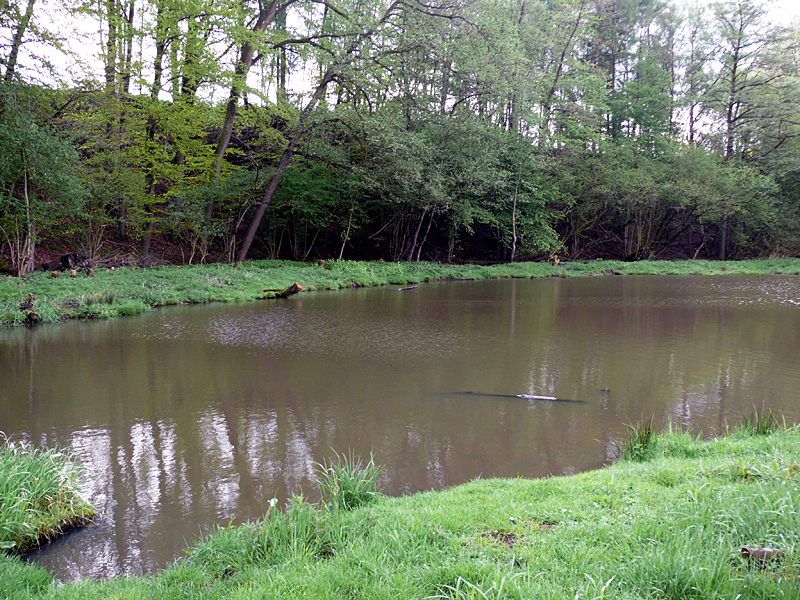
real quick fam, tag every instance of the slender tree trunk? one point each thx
(280, 61)
(150, 129)
(347, 232)
(413, 246)
(128, 57)
(241, 70)
(731, 117)
(28, 260)
(514, 204)
(283, 163)
(111, 46)
(724, 230)
(424, 237)
(16, 43)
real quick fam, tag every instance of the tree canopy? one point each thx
(398, 129)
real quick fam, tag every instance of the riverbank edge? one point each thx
(40, 496)
(672, 525)
(42, 298)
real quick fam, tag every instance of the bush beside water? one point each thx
(668, 525)
(128, 291)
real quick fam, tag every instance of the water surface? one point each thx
(190, 417)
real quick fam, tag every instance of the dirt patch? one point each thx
(507, 538)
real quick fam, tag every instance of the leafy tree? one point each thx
(38, 186)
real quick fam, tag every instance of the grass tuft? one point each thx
(347, 482)
(301, 533)
(39, 496)
(639, 442)
(759, 422)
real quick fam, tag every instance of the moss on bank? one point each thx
(671, 526)
(42, 298)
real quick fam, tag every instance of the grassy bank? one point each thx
(39, 496)
(40, 297)
(668, 522)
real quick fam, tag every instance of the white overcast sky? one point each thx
(784, 11)
(82, 38)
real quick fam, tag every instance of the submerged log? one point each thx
(286, 292)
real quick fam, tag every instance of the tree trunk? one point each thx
(110, 57)
(425, 237)
(16, 43)
(514, 204)
(413, 246)
(28, 261)
(347, 232)
(265, 17)
(724, 229)
(283, 163)
(150, 129)
(128, 57)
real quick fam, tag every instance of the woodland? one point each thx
(403, 130)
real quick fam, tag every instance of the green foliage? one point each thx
(759, 422)
(347, 482)
(39, 495)
(39, 188)
(639, 442)
(302, 532)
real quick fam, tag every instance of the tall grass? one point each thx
(639, 441)
(348, 482)
(300, 532)
(759, 422)
(39, 495)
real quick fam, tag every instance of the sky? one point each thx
(784, 11)
(84, 36)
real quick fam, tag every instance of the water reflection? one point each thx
(186, 418)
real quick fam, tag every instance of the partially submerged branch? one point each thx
(285, 292)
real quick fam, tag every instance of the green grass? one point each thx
(639, 441)
(670, 526)
(760, 422)
(39, 496)
(348, 482)
(129, 291)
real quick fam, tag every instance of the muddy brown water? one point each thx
(189, 417)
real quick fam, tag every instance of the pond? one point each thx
(195, 416)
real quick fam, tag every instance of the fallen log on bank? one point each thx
(285, 292)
